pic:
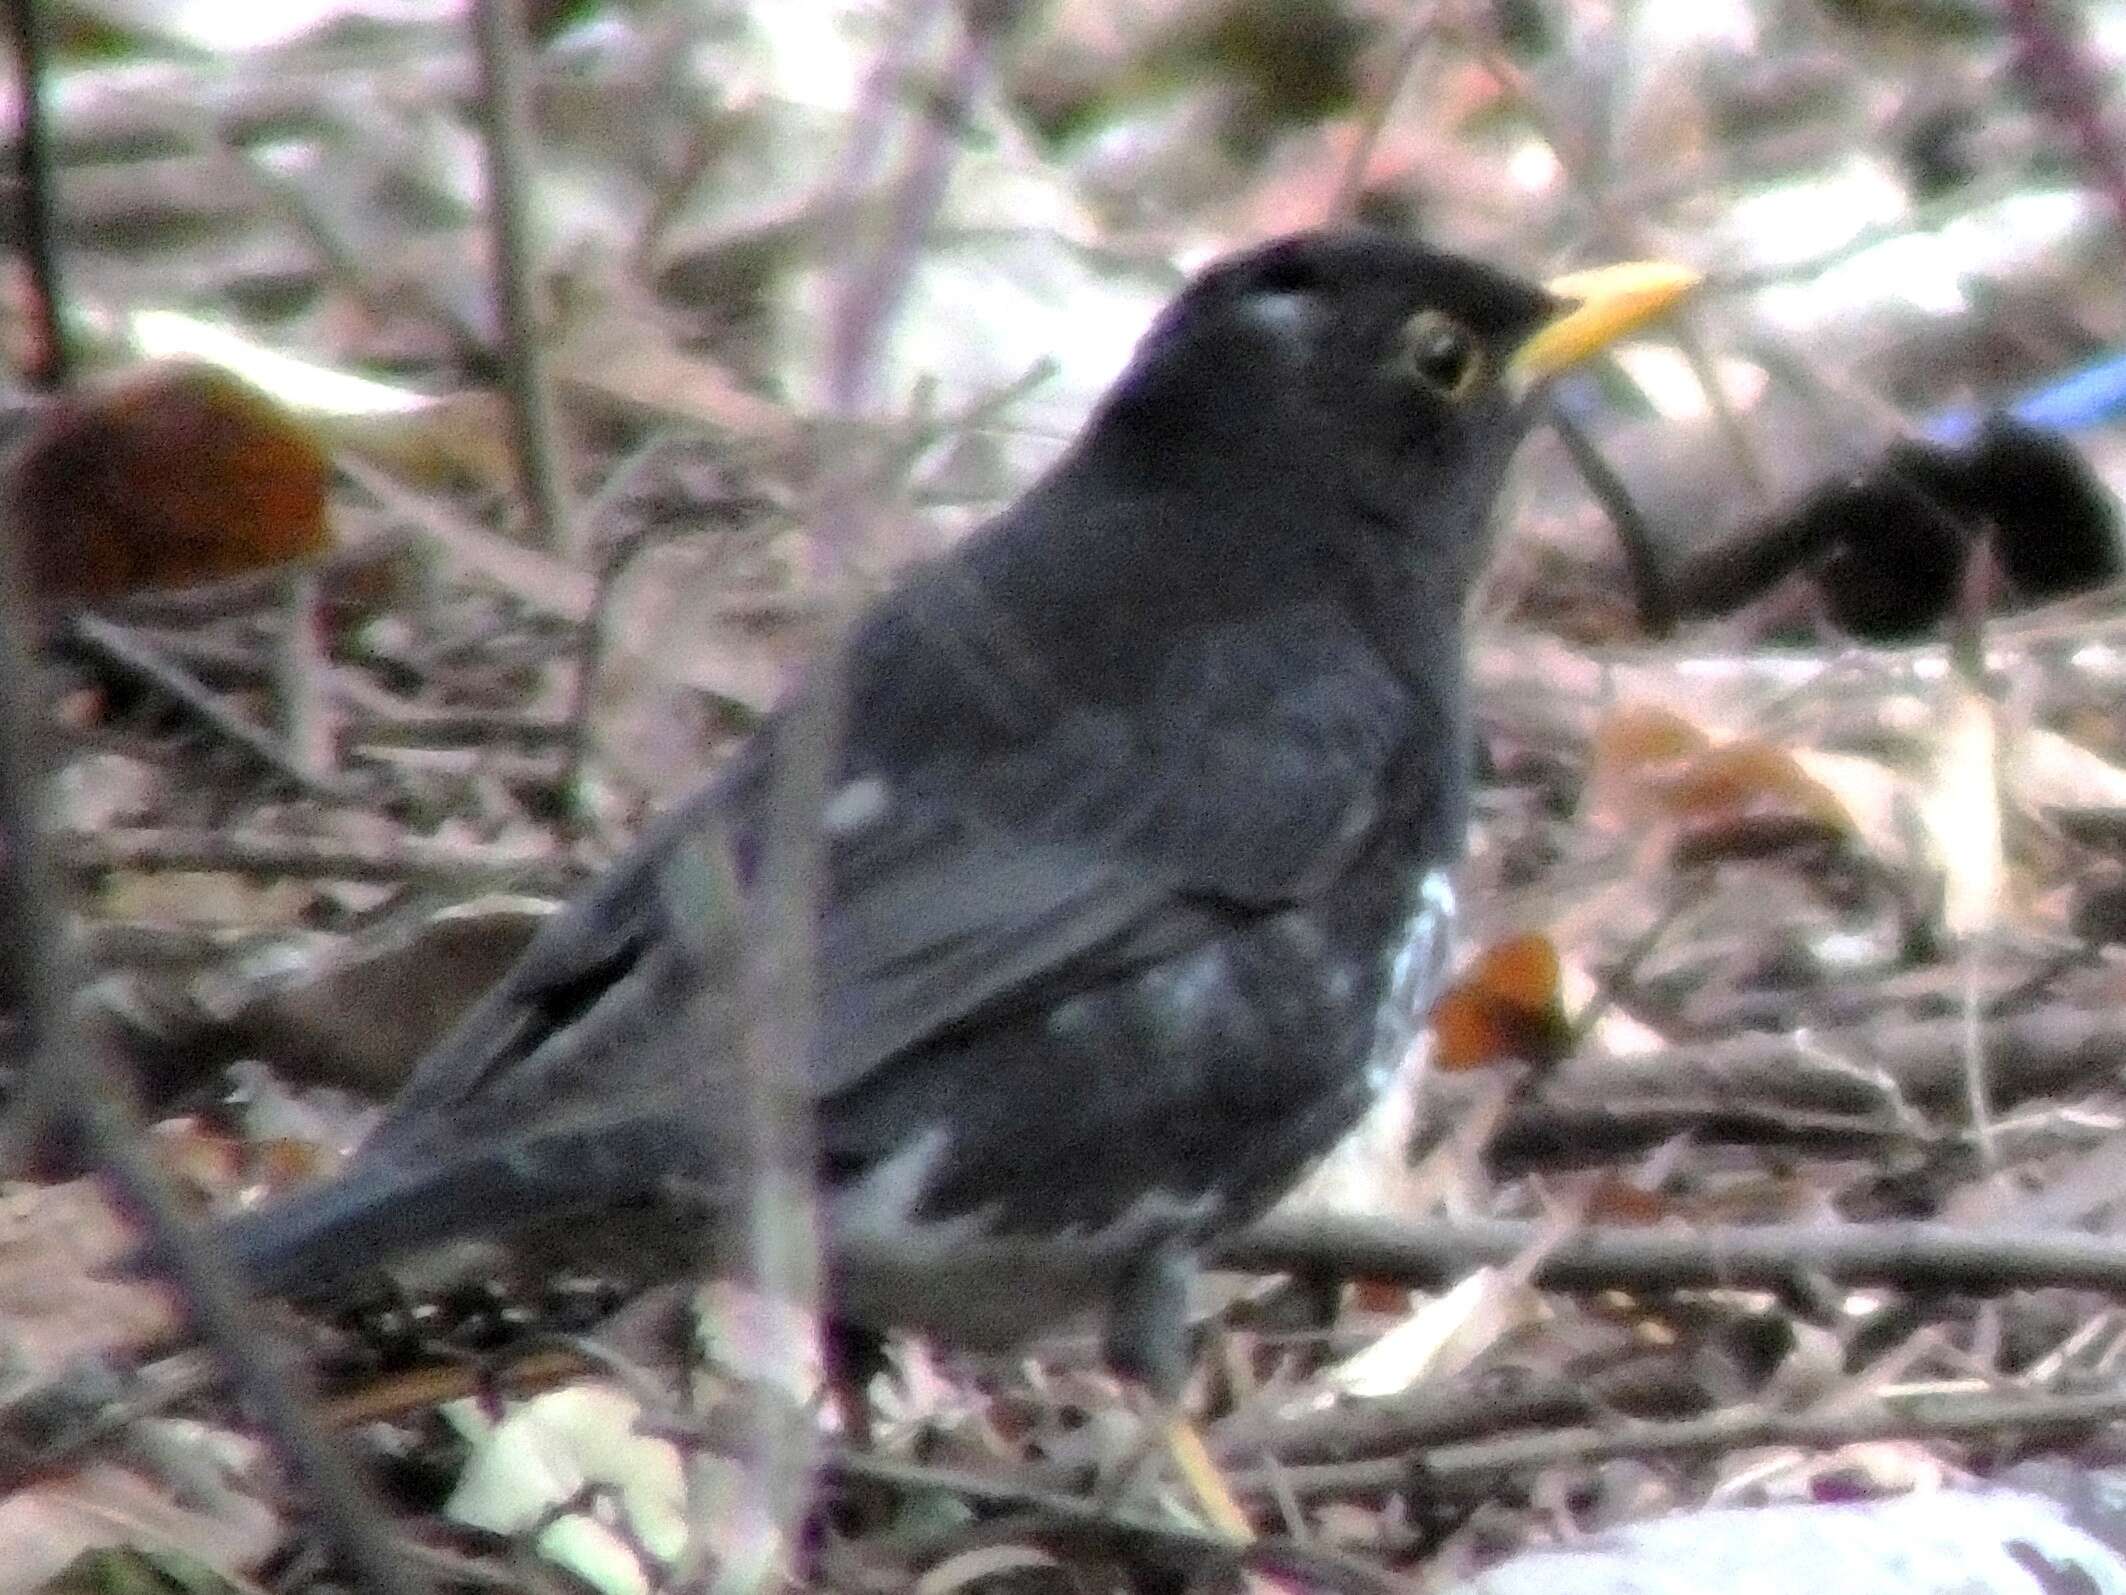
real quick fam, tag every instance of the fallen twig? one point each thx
(403, 858)
(118, 648)
(1920, 1414)
(1915, 1256)
(1854, 1082)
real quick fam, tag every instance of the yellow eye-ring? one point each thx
(1440, 352)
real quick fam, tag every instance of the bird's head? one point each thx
(1362, 379)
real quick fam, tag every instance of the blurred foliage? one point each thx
(1284, 62)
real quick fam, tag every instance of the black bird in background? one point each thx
(1135, 890)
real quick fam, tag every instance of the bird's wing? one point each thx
(1242, 773)
(586, 1017)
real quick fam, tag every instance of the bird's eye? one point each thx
(1440, 352)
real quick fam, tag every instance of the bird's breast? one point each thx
(1413, 957)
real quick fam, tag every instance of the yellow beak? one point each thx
(1602, 305)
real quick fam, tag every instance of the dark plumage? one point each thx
(2055, 525)
(1134, 892)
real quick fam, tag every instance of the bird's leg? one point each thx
(855, 1356)
(1147, 1344)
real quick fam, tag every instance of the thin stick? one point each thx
(541, 582)
(118, 647)
(594, 644)
(1914, 1415)
(1650, 584)
(1916, 1256)
(302, 678)
(1373, 117)
(33, 165)
(1741, 439)
(780, 979)
(864, 306)
(505, 115)
(404, 858)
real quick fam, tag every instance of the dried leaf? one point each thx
(45, 1528)
(1441, 1337)
(973, 1568)
(1508, 1006)
(57, 1303)
(1962, 812)
(2049, 771)
(175, 475)
(430, 437)
(544, 1454)
(1748, 779)
(621, 355)
(1637, 748)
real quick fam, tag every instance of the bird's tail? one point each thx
(314, 1242)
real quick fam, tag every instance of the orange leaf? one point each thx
(1509, 1005)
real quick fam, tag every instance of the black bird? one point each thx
(1137, 846)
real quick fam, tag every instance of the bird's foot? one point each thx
(1166, 1439)
(1147, 1343)
(1214, 1498)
